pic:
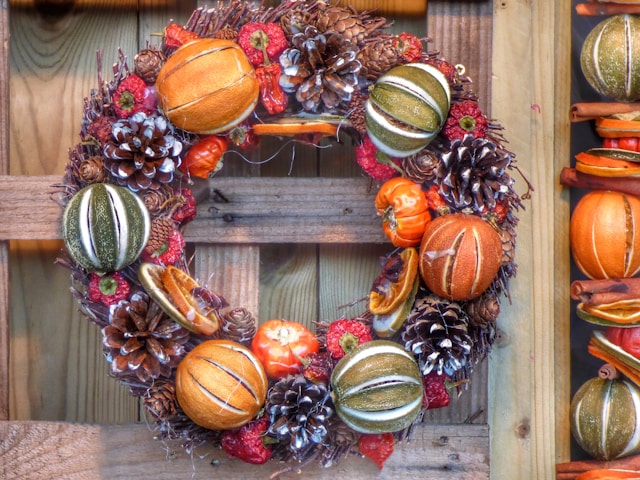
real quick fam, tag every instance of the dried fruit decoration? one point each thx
(394, 284)
(377, 447)
(344, 335)
(133, 96)
(465, 118)
(376, 164)
(108, 289)
(205, 157)
(249, 442)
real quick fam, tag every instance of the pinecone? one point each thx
(483, 309)
(473, 173)
(157, 200)
(344, 21)
(227, 33)
(91, 170)
(483, 337)
(378, 57)
(239, 325)
(356, 111)
(142, 152)
(422, 167)
(147, 64)
(299, 412)
(141, 340)
(508, 236)
(161, 229)
(160, 400)
(436, 333)
(295, 21)
(321, 69)
(341, 442)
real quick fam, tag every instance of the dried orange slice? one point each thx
(624, 312)
(292, 129)
(394, 284)
(177, 300)
(179, 285)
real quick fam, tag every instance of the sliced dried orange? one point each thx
(292, 129)
(186, 309)
(394, 284)
(624, 312)
(179, 285)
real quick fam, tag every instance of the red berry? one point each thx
(247, 443)
(344, 335)
(435, 391)
(378, 447)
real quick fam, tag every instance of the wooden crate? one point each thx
(62, 417)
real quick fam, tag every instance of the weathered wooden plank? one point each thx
(528, 69)
(255, 210)
(4, 245)
(42, 450)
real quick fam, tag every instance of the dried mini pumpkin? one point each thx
(221, 384)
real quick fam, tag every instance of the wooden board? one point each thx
(519, 397)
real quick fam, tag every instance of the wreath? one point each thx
(207, 371)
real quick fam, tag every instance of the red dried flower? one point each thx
(108, 289)
(408, 46)
(133, 95)
(169, 253)
(435, 200)
(242, 136)
(188, 210)
(247, 443)
(260, 39)
(377, 446)
(435, 391)
(448, 69)
(465, 118)
(176, 36)
(376, 164)
(317, 367)
(344, 335)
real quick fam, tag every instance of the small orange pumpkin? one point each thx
(207, 86)
(459, 256)
(605, 234)
(221, 384)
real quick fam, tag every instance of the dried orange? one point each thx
(221, 384)
(171, 288)
(604, 234)
(394, 284)
(179, 285)
(459, 256)
(207, 86)
(624, 312)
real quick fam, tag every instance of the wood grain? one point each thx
(524, 369)
(40, 451)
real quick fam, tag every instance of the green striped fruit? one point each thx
(605, 418)
(610, 58)
(377, 388)
(105, 227)
(406, 108)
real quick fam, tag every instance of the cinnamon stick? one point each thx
(604, 291)
(582, 111)
(608, 372)
(570, 177)
(595, 9)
